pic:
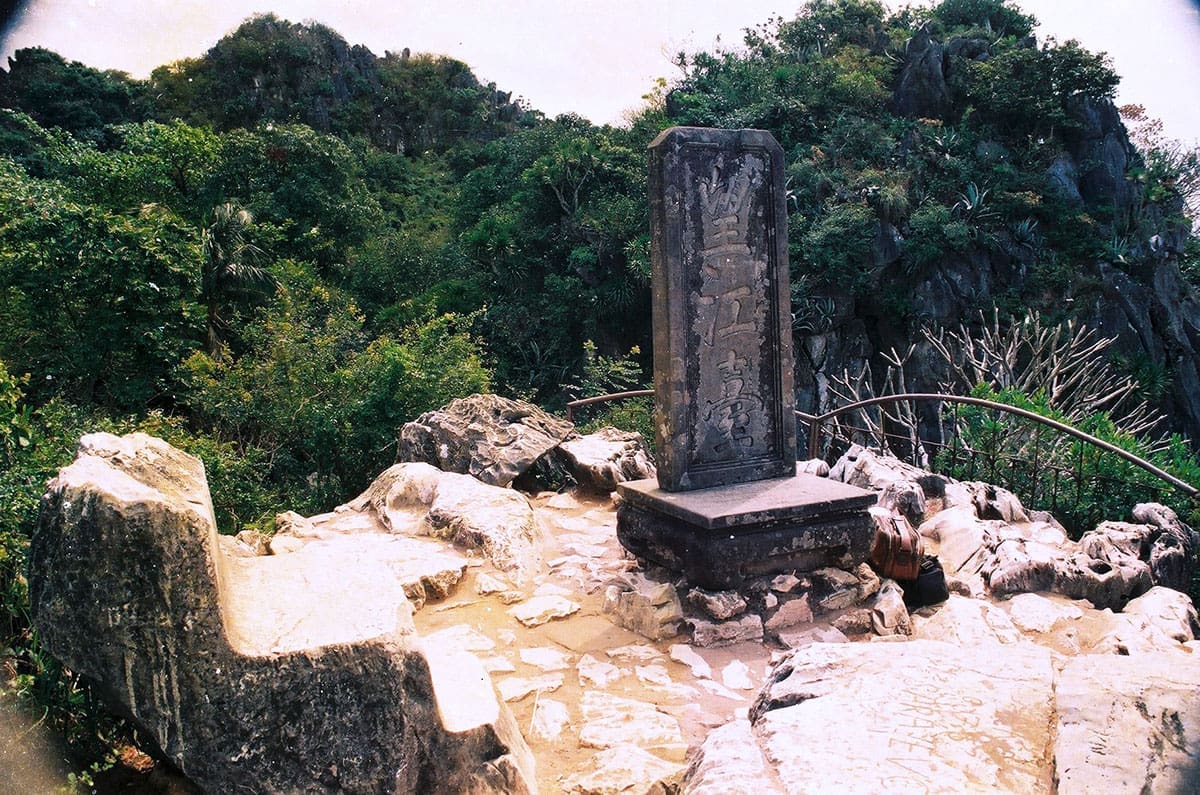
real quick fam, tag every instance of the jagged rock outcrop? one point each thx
(599, 461)
(250, 674)
(921, 91)
(987, 542)
(489, 437)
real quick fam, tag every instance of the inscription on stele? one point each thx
(722, 334)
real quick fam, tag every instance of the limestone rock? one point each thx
(550, 718)
(547, 658)
(736, 676)
(331, 690)
(515, 688)
(683, 653)
(921, 91)
(968, 623)
(920, 716)
(1168, 612)
(651, 609)
(729, 760)
(1035, 613)
(818, 634)
(900, 483)
(720, 605)
(597, 673)
(418, 499)
(623, 770)
(724, 633)
(541, 609)
(1173, 545)
(1128, 724)
(491, 438)
(790, 613)
(610, 721)
(889, 616)
(601, 460)
(1108, 577)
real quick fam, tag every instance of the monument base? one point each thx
(723, 536)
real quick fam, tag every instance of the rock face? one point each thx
(492, 438)
(329, 691)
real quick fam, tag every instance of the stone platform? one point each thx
(722, 536)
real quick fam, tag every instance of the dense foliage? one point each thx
(276, 253)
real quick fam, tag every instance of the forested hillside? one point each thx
(276, 253)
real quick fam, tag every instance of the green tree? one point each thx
(230, 266)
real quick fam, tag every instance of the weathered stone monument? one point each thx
(727, 503)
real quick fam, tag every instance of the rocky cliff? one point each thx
(1092, 182)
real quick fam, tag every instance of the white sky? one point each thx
(593, 57)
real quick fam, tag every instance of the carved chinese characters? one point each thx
(723, 371)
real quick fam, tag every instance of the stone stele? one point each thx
(129, 588)
(727, 503)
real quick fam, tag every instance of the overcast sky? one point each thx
(593, 57)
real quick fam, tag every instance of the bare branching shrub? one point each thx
(1066, 362)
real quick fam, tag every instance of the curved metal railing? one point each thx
(815, 424)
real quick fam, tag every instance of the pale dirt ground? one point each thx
(589, 631)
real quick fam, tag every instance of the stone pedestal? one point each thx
(722, 536)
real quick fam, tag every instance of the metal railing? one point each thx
(1079, 478)
(575, 404)
(1025, 462)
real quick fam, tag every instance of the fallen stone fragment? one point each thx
(548, 658)
(718, 689)
(623, 770)
(724, 633)
(597, 673)
(683, 653)
(610, 720)
(790, 613)
(889, 616)
(564, 501)
(515, 688)
(651, 609)
(543, 609)
(736, 676)
(550, 718)
(783, 583)
(460, 637)
(487, 584)
(795, 640)
(654, 675)
(637, 652)
(857, 621)
(720, 605)
(496, 664)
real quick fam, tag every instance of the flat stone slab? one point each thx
(721, 537)
(787, 499)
